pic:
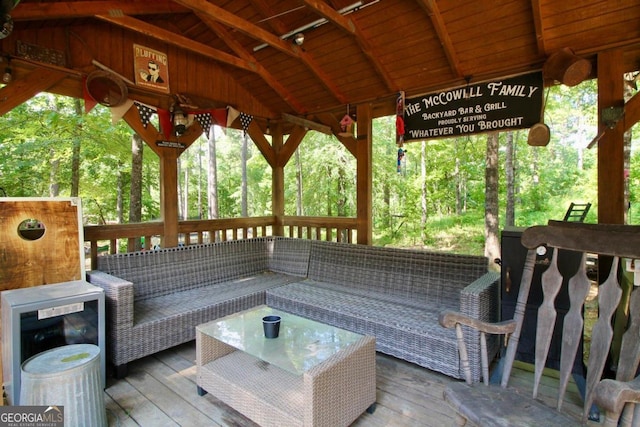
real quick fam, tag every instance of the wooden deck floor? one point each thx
(160, 390)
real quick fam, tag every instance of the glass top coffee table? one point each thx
(311, 374)
(301, 344)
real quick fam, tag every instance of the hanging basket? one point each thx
(106, 88)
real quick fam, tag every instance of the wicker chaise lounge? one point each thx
(155, 299)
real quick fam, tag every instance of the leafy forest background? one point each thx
(434, 199)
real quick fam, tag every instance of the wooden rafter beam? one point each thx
(261, 142)
(631, 112)
(291, 145)
(350, 27)
(178, 40)
(330, 120)
(258, 33)
(307, 123)
(62, 10)
(432, 10)
(536, 10)
(229, 19)
(25, 88)
(223, 34)
(265, 9)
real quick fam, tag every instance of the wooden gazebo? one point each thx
(249, 55)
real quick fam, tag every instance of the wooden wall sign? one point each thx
(151, 68)
(40, 53)
(513, 103)
(41, 241)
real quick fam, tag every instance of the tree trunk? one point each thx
(458, 183)
(423, 198)
(492, 244)
(120, 196)
(200, 209)
(510, 177)
(628, 94)
(75, 155)
(212, 180)
(299, 205)
(243, 161)
(185, 188)
(135, 198)
(54, 186)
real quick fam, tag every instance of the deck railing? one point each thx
(114, 238)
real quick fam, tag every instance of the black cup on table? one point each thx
(271, 325)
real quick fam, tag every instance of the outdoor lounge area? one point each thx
(168, 317)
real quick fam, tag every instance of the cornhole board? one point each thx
(41, 241)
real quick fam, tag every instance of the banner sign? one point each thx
(514, 103)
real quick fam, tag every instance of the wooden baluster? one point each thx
(551, 284)
(578, 288)
(518, 315)
(609, 295)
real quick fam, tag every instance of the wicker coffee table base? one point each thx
(332, 393)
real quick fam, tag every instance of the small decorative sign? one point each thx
(40, 54)
(513, 103)
(170, 144)
(151, 68)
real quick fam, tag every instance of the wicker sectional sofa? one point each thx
(156, 298)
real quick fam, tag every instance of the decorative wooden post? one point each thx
(364, 150)
(611, 207)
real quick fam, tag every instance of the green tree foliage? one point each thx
(41, 130)
(547, 178)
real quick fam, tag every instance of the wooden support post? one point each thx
(364, 149)
(169, 197)
(168, 171)
(277, 181)
(611, 206)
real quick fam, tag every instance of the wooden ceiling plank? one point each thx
(84, 9)
(536, 9)
(233, 21)
(350, 27)
(223, 33)
(22, 89)
(432, 10)
(251, 30)
(178, 40)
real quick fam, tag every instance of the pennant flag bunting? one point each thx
(145, 113)
(232, 114)
(166, 125)
(245, 121)
(205, 121)
(219, 116)
(120, 110)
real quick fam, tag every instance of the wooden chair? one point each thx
(499, 405)
(577, 212)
